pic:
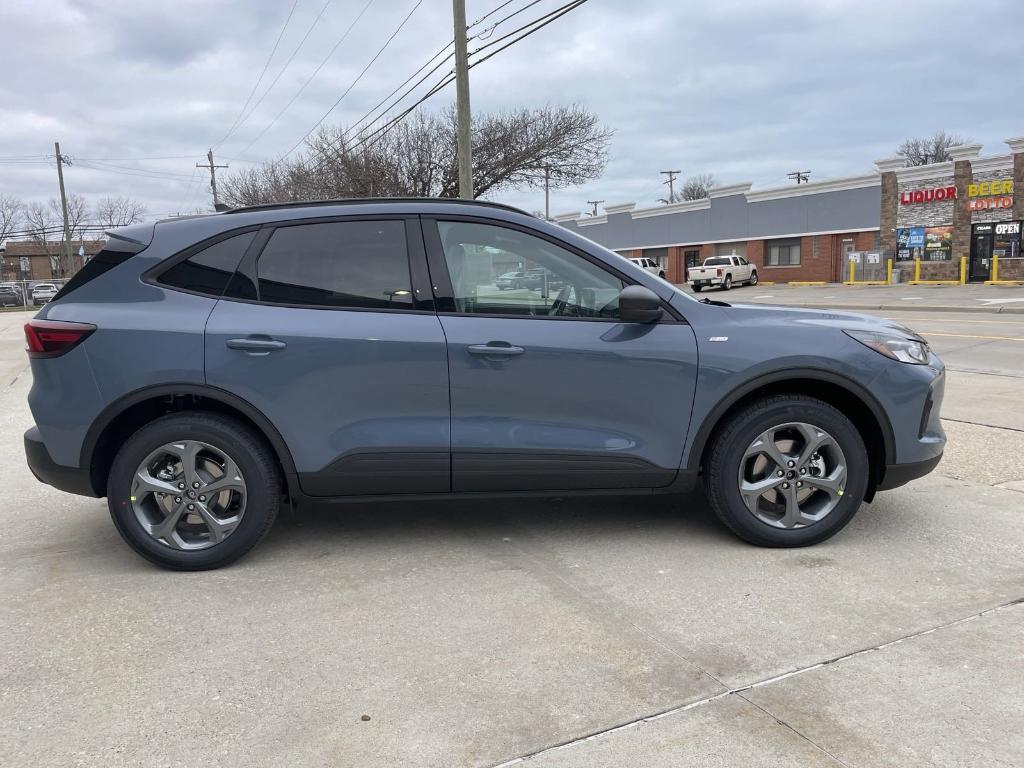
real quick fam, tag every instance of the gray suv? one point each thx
(199, 372)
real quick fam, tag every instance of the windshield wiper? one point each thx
(706, 300)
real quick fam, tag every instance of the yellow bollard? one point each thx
(963, 270)
(917, 270)
(888, 271)
(995, 268)
(851, 272)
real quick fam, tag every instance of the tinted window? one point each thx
(116, 251)
(557, 283)
(340, 264)
(209, 270)
(717, 262)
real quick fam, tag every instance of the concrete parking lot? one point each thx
(595, 632)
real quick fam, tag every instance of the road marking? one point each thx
(828, 297)
(989, 302)
(967, 336)
(911, 298)
(766, 296)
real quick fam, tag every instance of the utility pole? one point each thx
(213, 176)
(69, 264)
(462, 101)
(595, 204)
(671, 183)
(802, 177)
(547, 193)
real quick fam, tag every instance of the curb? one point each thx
(1001, 310)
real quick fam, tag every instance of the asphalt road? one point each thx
(550, 633)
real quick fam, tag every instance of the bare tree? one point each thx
(417, 158)
(933, 149)
(42, 226)
(696, 187)
(118, 212)
(78, 215)
(12, 211)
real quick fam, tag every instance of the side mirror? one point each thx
(638, 304)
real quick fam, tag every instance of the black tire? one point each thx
(726, 452)
(727, 283)
(753, 277)
(255, 461)
(698, 288)
(661, 274)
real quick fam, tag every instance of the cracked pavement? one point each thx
(588, 632)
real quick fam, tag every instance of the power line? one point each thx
(308, 81)
(259, 79)
(484, 35)
(537, 26)
(546, 19)
(286, 65)
(355, 126)
(358, 78)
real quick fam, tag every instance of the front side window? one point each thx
(355, 264)
(556, 282)
(208, 271)
(783, 253)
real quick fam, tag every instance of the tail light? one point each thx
(52, 338)
(718, 272)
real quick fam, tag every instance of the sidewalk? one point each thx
(933, 298)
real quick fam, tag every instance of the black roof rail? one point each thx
(365, 200)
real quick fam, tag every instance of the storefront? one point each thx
(927, 218)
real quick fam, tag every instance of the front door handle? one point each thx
(495, 349)
(256, 345)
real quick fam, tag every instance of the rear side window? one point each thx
(116, 251)
(358, 264)
(208, 271)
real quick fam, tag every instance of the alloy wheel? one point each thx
(792, 475)
(188, 495)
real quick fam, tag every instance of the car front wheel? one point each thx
(753, 278)
(787, 471)
(193, 491)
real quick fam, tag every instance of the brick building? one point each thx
(30, 260)
(813, 231)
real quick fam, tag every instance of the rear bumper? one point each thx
(70, 479)
(901, 474)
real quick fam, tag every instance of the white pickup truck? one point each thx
(723, 271)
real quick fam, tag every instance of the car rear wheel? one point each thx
(698, 288)
(193, 491)
(727, 283)
(787, 471)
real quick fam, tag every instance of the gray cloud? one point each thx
(745, 90)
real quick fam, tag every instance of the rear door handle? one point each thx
(495, 349)
(257, 345)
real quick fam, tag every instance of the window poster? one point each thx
(938, 243)
(909, 243)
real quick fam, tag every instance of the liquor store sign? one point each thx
(980, 196)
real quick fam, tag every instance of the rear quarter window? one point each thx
(209, 270)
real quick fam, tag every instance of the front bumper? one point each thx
(70, 479)
(901, 474)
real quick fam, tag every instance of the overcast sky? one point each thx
(747, 91)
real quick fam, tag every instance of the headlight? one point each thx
(897, 347)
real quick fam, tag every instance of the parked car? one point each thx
(723, 271)
(535, 280)
(510, 281)
(650, 265)
(43, 292)
(202, 371)
(11, 296)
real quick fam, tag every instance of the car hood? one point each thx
(819, 317)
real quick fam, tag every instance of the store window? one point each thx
(782, 253)
(731, 249)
